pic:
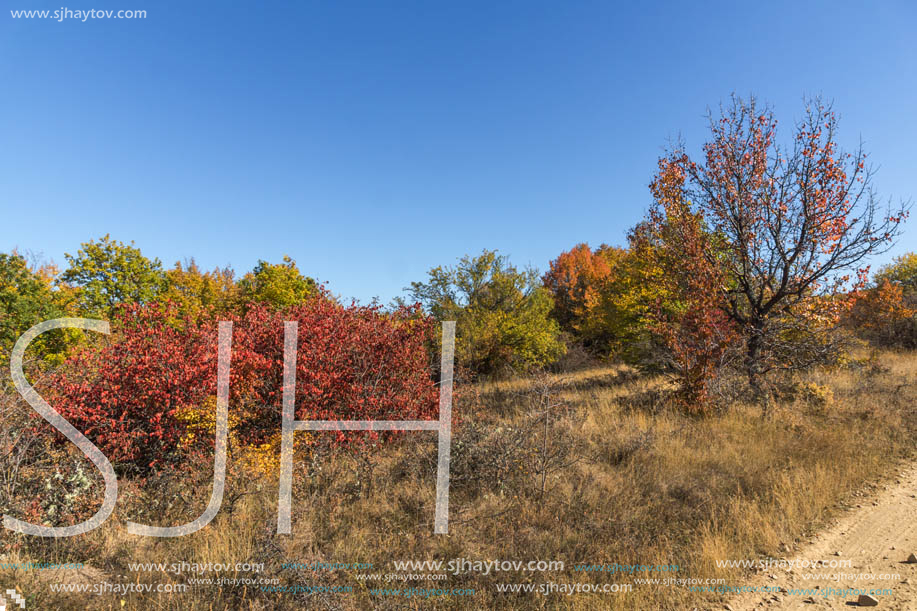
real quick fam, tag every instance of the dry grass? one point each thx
(620, 478)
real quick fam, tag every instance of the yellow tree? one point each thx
(195, 291)
(278, 284)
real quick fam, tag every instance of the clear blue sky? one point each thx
(371, 141)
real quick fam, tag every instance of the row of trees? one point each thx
(106, 274)
(752, 257)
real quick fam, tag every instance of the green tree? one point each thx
(26, 299)
(279, 284)
(107, 272)
(502, 314)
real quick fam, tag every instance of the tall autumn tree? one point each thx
(106, 273)
(794, 223)
(685, 262)
(578, 280)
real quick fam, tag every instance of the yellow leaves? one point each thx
(263, 458)
(816, 396)
(200, 421)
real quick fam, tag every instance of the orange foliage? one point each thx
(577, 280)
(882, 315)
(697, 331)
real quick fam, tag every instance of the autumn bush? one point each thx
(124, 394)
(903, 272)
(882, 316)
(353, 363)
(142, 396)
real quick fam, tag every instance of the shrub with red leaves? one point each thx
(124, 394)
(353, 363)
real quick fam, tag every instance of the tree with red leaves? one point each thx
(792, 225)
(687, 315)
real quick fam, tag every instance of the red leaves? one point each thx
(697, 332)
(353, 363)
(116, 392)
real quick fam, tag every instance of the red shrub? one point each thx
(124, 394)
(353, 362)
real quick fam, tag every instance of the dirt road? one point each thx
(876, 535)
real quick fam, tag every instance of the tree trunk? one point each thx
(754, 368)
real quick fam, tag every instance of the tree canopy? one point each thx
(280, 284)
(106, 273)
(26, 299)
(501, 312)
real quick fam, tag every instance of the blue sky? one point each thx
(371, 141)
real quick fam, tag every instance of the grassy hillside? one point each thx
(590, 467)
